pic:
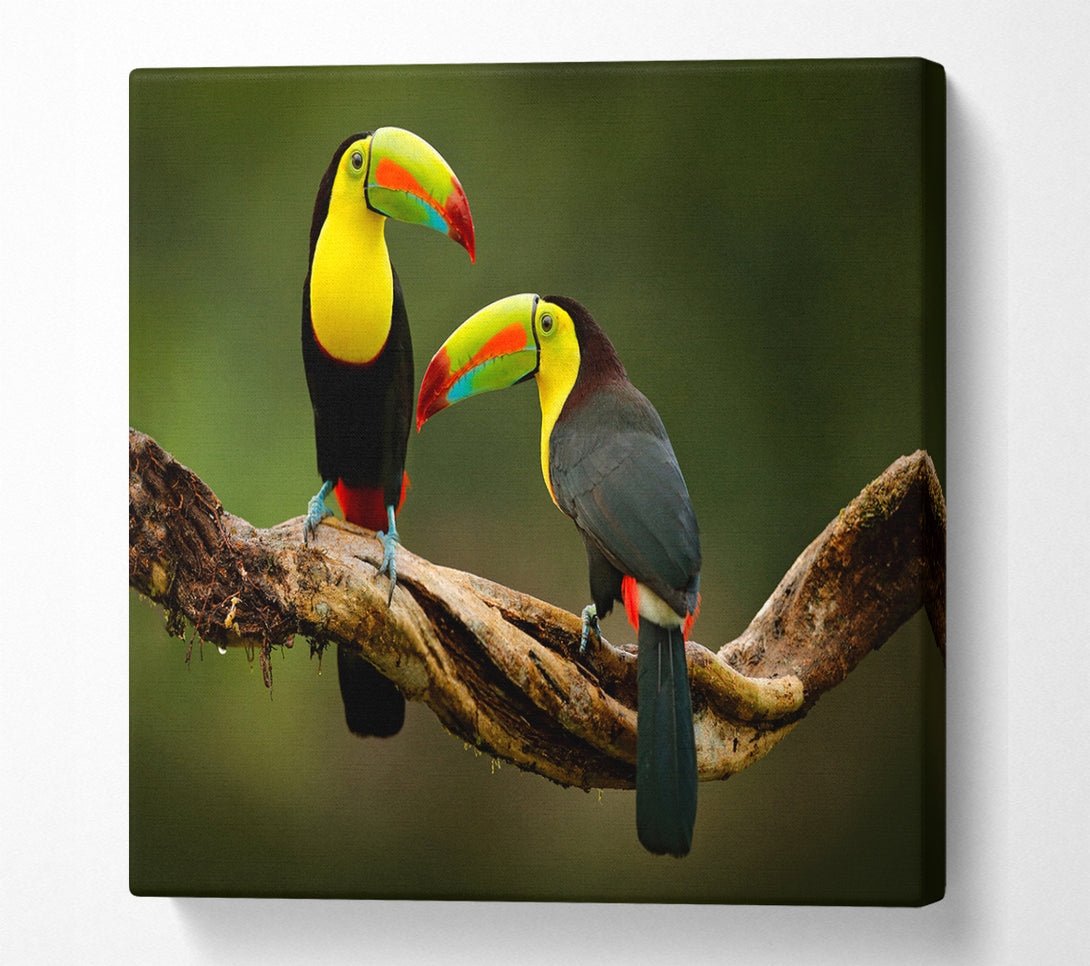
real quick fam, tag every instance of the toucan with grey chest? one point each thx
(608, 464)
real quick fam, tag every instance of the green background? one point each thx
(752, 238)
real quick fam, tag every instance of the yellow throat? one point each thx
(351, 281)
(557, 371)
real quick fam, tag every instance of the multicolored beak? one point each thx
(492, 349)
(407, 179)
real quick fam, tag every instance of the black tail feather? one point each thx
(666, 778)
(373, 706)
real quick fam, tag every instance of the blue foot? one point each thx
(317, 511)
(390, 542)
(590, 620)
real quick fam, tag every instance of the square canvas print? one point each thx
(592, 552)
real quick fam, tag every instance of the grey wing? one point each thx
(614, 473)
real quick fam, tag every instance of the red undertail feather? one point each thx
(630, 594)
(365, 506)
(688, 628)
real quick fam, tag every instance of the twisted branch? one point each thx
(501, 669)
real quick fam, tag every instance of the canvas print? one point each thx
(536, 482)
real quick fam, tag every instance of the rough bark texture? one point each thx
(501, 669)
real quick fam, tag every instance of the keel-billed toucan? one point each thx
(609, 466)
(358, 354)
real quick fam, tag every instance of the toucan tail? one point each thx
(373, 706)
(666, 779)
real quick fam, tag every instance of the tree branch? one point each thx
(501, 669)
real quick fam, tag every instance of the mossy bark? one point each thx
(501, 669)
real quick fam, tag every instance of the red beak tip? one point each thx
(467, 241)
(424, 412)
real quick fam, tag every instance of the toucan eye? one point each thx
(546, 323)
(357, 160)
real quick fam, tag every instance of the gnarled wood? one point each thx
(501, 669)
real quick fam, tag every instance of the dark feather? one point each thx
(615, 474)
(666, 776)
(373, 706)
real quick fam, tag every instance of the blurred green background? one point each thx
(751, 237)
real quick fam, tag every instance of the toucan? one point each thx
(358, 356)
(608, 464)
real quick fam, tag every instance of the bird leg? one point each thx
(317, 511)
(390, 541)
(590, 620)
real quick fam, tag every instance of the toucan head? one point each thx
(511, 340)
(399, 175)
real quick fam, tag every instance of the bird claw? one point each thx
(316, 512)
(389, 560)
(590, 619)
(390, 543)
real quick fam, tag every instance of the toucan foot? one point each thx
(390, 543)
(590, 620)
(316, 512)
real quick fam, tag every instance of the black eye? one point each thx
(546, 323)
(357, 160)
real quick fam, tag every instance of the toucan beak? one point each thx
(492, 349)
(408, 180)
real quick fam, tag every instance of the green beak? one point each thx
(407, 179)
(492, 349)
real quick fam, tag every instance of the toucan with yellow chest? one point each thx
(609, 465)
(357, 353)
